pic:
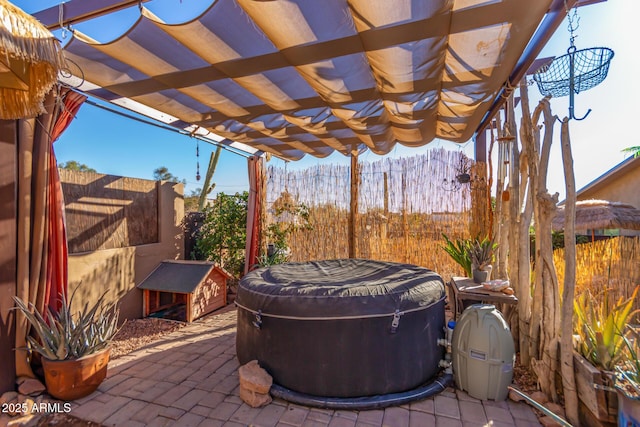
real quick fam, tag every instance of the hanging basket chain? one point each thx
(573, 24)
(577, 71)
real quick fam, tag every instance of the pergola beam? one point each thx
(75, 11)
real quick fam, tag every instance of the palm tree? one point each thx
(635, 150)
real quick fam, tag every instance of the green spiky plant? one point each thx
(482, 252)
(63, 335)
(628, 372)
(458, 250)
(598, 327)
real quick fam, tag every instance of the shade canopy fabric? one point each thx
(30, 58)
(297, 77)
(600, 214)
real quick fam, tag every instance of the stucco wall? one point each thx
(119, 270)
(624, 187)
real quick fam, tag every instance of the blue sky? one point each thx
(116, 145)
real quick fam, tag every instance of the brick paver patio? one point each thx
(190, 378)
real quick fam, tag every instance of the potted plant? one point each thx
(481, 253)
(74, 348)
(600, 348)
(627, 382)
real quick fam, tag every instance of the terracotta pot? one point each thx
(76, 378)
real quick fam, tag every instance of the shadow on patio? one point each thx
(189, 378)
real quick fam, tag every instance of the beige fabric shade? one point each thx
(310, 77)
(30, 58)
(600, 214)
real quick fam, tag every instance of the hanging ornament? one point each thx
(577, 71)
(197, 160)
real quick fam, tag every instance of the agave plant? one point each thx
(602, 330)
(62, 335)
(481, 252)
(458, 250)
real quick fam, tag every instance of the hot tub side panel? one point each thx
(345, 358)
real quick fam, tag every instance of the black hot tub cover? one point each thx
(339, 288)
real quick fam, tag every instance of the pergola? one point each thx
(292, 78)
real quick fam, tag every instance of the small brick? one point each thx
(148, 413)
(173, 413)
(425, 405)
(245, 414)
(190, 399)
(270, 415)
(447, 422)
(224, 411)
(371, 417)
(189, 420)
(447, 406)
(421, 419)
(396, 417)
(294, 416)
(472, 411)
(125, 413)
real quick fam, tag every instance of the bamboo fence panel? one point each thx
(611, 264)
(403, 209)
(105, 211)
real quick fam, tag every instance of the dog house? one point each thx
(184, 290)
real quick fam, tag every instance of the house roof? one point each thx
(301, 77)
(617, 171)
(179, 276)
(599, 214)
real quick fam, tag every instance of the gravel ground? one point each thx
(137, 333)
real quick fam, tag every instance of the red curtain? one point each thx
(41, 242)
(67, 106)
(254, 211)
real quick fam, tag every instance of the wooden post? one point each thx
(566, 353)
(481, 147)
(386, 194)
(353, 208)
(405, 221)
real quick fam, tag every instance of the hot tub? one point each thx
(342, 328)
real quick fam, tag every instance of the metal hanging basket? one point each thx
(577, 71)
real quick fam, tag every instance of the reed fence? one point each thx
(106, 211)
(611, 265)
(403, 209)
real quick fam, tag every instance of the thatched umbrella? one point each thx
(600, 214)
(30, 58)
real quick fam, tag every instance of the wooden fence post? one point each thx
(353, 206)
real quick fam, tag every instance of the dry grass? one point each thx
(612, 265)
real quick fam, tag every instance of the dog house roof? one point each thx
(179, 276)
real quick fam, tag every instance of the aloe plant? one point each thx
(458, 250)
(601, 341)
(62, 335)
